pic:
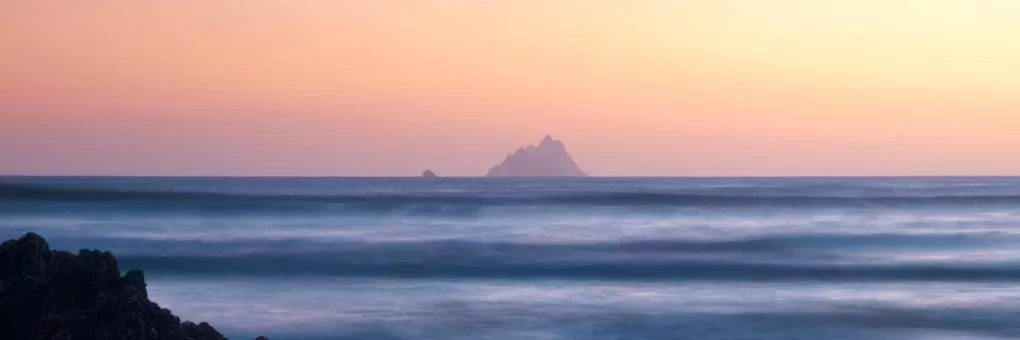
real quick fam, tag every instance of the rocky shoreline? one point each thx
(50, 294)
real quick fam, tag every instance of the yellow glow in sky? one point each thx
(655, 87)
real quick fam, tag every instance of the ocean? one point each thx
(594, 258)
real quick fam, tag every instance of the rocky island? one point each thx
(548, 159)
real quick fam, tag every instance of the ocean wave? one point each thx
(36, 193)
(790, 258)
(256, 265)
(423, 250)
(466, 249)
(850, 321)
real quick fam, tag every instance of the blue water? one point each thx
(329, 258)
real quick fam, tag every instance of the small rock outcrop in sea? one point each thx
(548, 159)
(429, 174)
(48, 294)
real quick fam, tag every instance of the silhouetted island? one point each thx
(429, 174)
(548, 159)
(48, 294)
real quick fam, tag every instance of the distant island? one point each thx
(548, 159)
(429, 174)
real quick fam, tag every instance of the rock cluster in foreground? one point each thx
(47, 294)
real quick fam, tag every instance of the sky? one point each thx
(390, 88)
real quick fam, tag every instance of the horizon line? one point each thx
(498, 178)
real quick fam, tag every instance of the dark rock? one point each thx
(27, 256)
(135, 278)
(56, 295)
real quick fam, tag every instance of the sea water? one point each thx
(614, 258)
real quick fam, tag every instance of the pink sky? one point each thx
(390, 88)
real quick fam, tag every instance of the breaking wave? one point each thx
(32, 193)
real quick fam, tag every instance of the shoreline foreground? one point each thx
(51, 294)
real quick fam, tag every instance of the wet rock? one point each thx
(56, 295)
(27, 256)
(136, 279)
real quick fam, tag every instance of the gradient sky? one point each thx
(634, 87)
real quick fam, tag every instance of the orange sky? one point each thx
(646, 87)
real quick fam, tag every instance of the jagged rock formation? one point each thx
(429, 174)
(57, 295)
(548, 159)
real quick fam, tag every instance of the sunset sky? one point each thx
(390, 88)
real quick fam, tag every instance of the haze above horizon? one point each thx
(391, 88)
